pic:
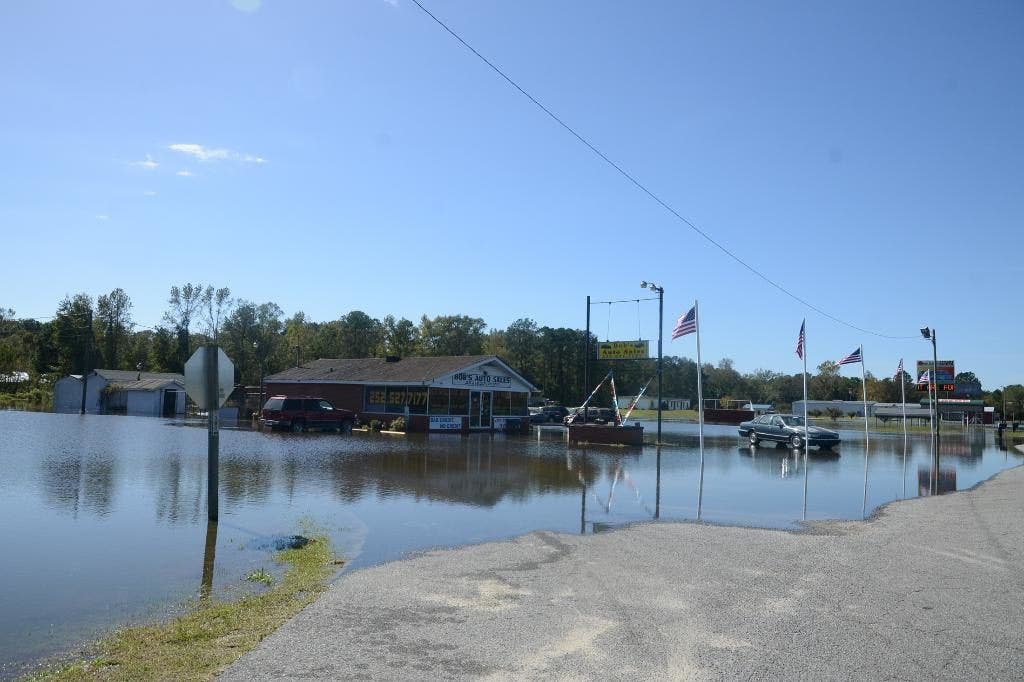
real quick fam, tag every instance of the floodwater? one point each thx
(104, 521)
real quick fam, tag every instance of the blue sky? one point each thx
(331, 156)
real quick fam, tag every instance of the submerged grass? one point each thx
(201, 643)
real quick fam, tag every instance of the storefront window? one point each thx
(376, 399)
(396, 399)
(501, 407)
(439, 401)
(460, 401)
(417, 399)
(519, 401)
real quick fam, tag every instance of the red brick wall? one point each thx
(350, 397)
(345, 396)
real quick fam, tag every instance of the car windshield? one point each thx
(793, 421)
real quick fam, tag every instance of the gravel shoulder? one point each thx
(929, 587)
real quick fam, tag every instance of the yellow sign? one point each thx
(622, 350)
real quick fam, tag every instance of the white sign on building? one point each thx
(482, 379)
(446, 423)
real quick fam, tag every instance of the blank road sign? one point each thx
(195, 376)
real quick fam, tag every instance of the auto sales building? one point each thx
(460, 393)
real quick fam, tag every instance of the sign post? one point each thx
(209, 379)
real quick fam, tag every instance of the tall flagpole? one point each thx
(867, 442)
(864, 385)
(700, 412)
(903, 398)
(803, 328)
(807, 424)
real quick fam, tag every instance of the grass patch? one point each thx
(201, 643)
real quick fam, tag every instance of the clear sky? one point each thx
(331, 156)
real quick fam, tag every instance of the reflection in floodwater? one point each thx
(89, 484)
(209, 557)
(927, 484)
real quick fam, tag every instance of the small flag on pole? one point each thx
(800, 341)
(925, 378)
(899, 372)
(853, 357)
(687, 324)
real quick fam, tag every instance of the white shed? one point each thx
(114, 391)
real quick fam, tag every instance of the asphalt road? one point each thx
(928, 588)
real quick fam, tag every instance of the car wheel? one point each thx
(796, 441)
(753, 439)
(298, 427)
(346, 427)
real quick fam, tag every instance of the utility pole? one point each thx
(661, 313)
(586, 360)
(212, 432)
(85, 358)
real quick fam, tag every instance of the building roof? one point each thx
(412, 369)
(129, 380)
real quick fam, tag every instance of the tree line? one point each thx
(86, 333)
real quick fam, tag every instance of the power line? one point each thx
(643, 188)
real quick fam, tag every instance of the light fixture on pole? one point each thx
(661, 308)
(256, 349)
(929, 335)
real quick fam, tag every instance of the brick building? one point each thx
(449, 393)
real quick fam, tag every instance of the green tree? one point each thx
(73, 335)
(216, 305)
(359, 335)
(185, 305)
(400, 336)
(451, 335)
(114, 320)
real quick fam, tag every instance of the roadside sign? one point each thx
(622, 350)
(195, 377)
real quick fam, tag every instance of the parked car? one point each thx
(299, 413)
(786, 428)
(537, 416)
(595, 415)
(554, 413)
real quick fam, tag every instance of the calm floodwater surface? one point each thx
(104, 521)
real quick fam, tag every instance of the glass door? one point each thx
(474, 409)
(485, 409)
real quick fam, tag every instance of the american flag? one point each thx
(925, 378)
(853, 357)
(899, 372)
(687, 324)
(800, 341)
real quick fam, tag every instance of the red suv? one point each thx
(301, 412)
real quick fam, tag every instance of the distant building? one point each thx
(650, 402)
(115, 391)
(846, 407)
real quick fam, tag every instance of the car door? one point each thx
(314, 417)
(328, 418)
(777, 429)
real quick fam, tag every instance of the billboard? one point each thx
(623, 350)
(945, 372)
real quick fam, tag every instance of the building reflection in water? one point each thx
(944, 483)
(79, 484)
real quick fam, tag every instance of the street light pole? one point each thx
(661, 312)
(929, 334)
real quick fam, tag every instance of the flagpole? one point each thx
(903, 398)
(807, 424)
(700, 413)
(864, 385)
(867, 442)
